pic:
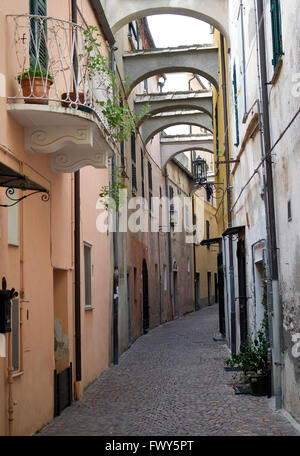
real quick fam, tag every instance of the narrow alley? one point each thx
(171, 381)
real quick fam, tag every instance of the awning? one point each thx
(11, 179)
(234, 230)
(211, 241)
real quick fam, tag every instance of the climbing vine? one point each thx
(117, 112)
(110, 194)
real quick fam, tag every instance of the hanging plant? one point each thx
(119, 116)
(110, 194)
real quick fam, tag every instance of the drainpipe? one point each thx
(115, 253)
(271, 211)
(115, 279)
(244, 57)
(194, 253)
(77, 240)
(227, 157)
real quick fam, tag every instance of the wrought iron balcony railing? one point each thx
(52, 61)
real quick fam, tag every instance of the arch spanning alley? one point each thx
(201, 149)
(174, 101)
(153, 125)
(172, 146)
(214, 12)
(143, 64)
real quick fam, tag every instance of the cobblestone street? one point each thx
(171, 382)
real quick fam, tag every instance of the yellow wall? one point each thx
(206, 258)
(220, 178)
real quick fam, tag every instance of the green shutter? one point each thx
(276, 31)
(38, 34)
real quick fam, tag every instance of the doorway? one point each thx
(221, 295)
(241, 257)
(209, 288)
(197, 291)
(145, 298)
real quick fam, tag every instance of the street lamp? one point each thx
(199, 171)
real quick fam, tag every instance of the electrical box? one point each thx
(5, 307)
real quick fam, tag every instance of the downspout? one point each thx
(77, 243)
(115, 278)
(227, 157)
(194, 252)
(115, 253)
(276, 349)
(244, 58)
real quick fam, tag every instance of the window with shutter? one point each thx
(38, 34)
(142, 173)
(150, 184)
(122, 147)
(276, 31)
(133, 164)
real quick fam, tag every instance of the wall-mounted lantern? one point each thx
(199, 171)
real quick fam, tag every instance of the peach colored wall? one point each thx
(46, 241)
(96, 322)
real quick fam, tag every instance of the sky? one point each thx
(169, 30)
(164, 29)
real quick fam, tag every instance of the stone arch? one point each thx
(171, 108)
(150, 133)
(141, 65)
(164, 163)
(214, 12)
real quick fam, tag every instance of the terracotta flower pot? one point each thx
(76, 98)
(35, 88)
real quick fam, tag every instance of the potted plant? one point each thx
(35, 83)
(253, 362)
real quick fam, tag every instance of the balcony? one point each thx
(56, 94)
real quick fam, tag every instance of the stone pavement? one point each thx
(171, 382)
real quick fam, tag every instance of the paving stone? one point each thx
(171, 382)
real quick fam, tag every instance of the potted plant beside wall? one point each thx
(253, 362)
(35, 83)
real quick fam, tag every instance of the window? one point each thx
(209, 192)
(122, 144)
(172, 209)
(289, 210)
(145, 85)
(217, 136)
(142, 173)
(88, 274)
(188, 265)
(165, 278)
(207, 231)
(38, 34)
(134, 34)
(276, 31)
(150, 184)
(133, 164)
(13, 222)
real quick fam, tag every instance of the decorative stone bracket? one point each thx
(74, 139)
